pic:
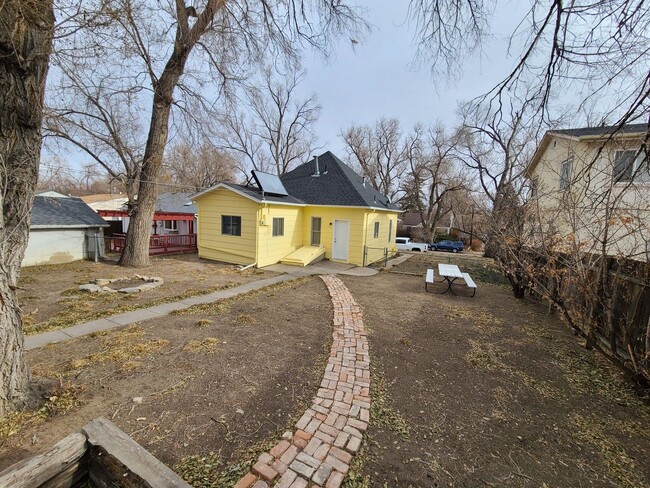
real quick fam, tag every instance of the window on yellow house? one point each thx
(315, 231)
(376, 230)
(390, 229)
(278, 226)
(231, 225)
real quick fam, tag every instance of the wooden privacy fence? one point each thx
(610, 304)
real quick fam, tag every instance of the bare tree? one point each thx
(433, 174)
(594, 49)
(173, 52)
(101, 118)
(274, 130)
(498, 149)
(196, 169)
(379, 152)
(26, 28)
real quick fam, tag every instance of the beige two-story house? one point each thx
(591, 187)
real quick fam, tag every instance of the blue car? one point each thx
(453, 246)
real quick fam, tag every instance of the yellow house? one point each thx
(321, 209)
(592, 185)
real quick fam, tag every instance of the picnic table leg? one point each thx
(447, 289)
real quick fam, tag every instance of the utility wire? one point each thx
(69, 172)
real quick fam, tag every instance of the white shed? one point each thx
(63, 229)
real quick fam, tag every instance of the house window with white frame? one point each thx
(278, 226)
(376, 230)
(390, 229)
(565, 173)
(315, 231)
(630, 165)
(170, 226)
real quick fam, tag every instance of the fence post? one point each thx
(385, 256)
(365, 254)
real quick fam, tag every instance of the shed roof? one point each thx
(54, 212)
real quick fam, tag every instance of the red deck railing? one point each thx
(158, 244)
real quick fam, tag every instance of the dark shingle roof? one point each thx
(338, 184)
(63, 212)
(604, 130)
(175, 202)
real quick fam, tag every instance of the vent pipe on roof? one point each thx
(363, 182)
(317, 173)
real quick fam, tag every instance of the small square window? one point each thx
(376, 230)
(231, 225)
(278, 226)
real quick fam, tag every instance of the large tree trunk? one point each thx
(136, 247)
(26, 28)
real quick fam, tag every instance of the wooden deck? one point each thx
(158, 244)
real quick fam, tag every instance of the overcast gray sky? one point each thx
(376, 78)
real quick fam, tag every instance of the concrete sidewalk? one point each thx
(292, 272)
(39, 340)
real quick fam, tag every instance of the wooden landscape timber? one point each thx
(99, 455)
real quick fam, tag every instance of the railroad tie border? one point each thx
(329, 434)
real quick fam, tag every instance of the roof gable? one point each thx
(53, 212)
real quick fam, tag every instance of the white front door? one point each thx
(341, 240)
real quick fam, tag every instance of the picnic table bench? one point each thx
(450, 272)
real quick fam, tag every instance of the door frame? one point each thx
(347, 257)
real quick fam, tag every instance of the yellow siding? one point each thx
(377, 245)
(271, 249)
(358, 229)
(214, 245)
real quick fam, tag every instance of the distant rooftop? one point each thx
(604, 130)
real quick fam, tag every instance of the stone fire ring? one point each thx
(100, 285)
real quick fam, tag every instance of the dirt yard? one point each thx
(466, 392)
(51, 299)
(199, 389)
(489, 391)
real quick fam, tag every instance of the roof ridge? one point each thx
(339, 163)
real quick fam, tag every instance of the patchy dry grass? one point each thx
(207, 345)
(245, 319)
(78, 309)
(204, 322)
(486, 356)
(620, 465)
(58, 402)
(381, 413)
(222, 306)
(120, 347)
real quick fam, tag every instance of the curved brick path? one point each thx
(319, 451)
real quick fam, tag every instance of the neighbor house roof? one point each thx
(105, 201)
(175, 202)
(336, 184)
(411, 219)
(586, 134)
(603, 130)
(61, 212)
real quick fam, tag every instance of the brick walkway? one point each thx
(319, 451)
